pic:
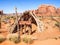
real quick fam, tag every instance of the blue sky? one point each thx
(8, 5)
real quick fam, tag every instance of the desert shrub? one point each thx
(27, 39)
(59, 37)
(13, 37)
(57, 24)
(2, 38)
(55, 38)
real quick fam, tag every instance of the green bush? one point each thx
(13, 37)
(2, 38)
(28, 39)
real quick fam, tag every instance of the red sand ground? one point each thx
(44, 38)
(36, 42)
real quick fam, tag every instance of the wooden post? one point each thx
(30, 30)
(25, 28)
(21, 25)
(17, 23)
(0, 21)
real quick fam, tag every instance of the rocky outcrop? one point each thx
(47, 10)
(58, 11)
(1, 12)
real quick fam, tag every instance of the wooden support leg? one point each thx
(24, 28)
(30, 31)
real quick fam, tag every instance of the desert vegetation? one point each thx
(2, 38)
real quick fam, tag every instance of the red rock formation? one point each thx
(1, 12)
(47, 10)
(58, 11)
(42, 9)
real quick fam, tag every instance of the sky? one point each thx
(22, 5)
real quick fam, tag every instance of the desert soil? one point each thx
(43, 38)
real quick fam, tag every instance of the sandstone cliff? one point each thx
(47, 10)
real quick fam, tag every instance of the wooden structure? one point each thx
(26, 20)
